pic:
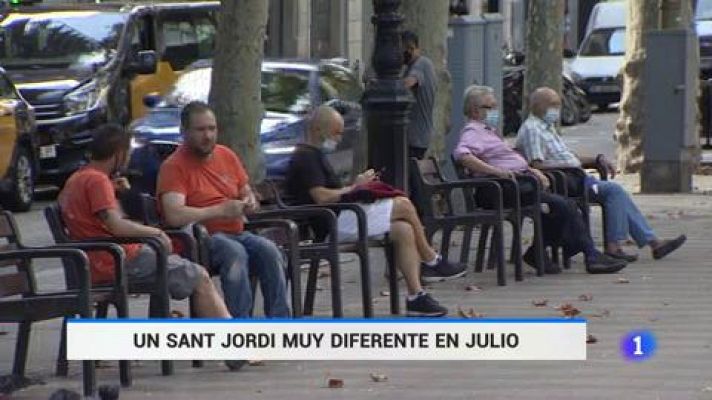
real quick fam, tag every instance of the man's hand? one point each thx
(610, 168)
(365, 177)
(233, 208)
(121, 184)
(504, 174)
(543, 179)
(252, 205)
(166, 242)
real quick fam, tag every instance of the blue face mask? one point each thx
(552, 115)
(492, 119)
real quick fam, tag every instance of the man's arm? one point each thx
(323, 195)
(410, 81)
(119, 226)
(177, 213)
(474, 164)
(547, 164)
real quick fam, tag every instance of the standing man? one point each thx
(420, 79)
(543, 148)
(203, 182)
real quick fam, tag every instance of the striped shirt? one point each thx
(539, 141)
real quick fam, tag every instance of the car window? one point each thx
(286, 91)
(604, 42)
(345, 84)
(205, 29)
(704, 10)
(74, 40)
(180, 41)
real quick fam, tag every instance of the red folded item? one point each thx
(370, 192)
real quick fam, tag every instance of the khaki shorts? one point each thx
(183, 275)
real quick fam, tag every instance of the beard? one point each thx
(203, 149)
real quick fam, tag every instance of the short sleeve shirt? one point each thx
(420, 128)
(539, 141)
(308, 169)
(205, 182)
(484, 143)
(86, 193)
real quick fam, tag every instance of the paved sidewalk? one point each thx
(671, 297)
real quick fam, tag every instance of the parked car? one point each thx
(290, 90)
(81, 65)
(575, 107)
(18, 145)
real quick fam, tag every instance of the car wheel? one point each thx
(23, 184)
(584, 108)
(602, 106)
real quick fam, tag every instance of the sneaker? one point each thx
(549, 267)
(235, 365)
(668, 246)
(424, 306)
(443, 271)
(621, 255)
(604, 264)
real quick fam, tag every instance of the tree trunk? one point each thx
(544, 47)
(429, 20)
(643, 15)
(235, 87)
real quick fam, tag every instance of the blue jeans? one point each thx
(236, 257)
(622, 215)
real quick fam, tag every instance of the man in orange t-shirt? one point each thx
(90, 210)
(205, 182)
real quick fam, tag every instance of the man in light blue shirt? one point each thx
(543, 148)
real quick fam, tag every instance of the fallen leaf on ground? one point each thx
(568, 310)
(665, 303)
(623, 280)
(385, 293)
(603, 313)
(378, 377)
(540, 302)
(585, 297)
(469, 313)
(653, 319)
(651, 216)
(335, 383)
(472, 288)
(255, 363)
(177, 314)
(591, 339)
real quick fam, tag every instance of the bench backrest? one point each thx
(15, 276)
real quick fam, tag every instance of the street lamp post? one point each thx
(387, 100)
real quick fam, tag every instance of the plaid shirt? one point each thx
(539, 141)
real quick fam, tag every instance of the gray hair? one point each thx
(472, 97)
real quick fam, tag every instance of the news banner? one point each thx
(344, 339)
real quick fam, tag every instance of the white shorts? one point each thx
(378, 215)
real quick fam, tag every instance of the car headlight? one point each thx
(83, 98)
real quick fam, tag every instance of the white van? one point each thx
(601, 55)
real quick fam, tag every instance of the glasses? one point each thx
(489, 107)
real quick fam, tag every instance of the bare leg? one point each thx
(403, 210)
(407, 257)
(208, 303)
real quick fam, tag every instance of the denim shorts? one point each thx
(183, 275)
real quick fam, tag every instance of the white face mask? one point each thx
(552, 115)
(492, 119)
(329, 145)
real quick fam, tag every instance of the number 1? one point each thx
(638, 346)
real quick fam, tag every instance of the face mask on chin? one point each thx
(329, 145)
